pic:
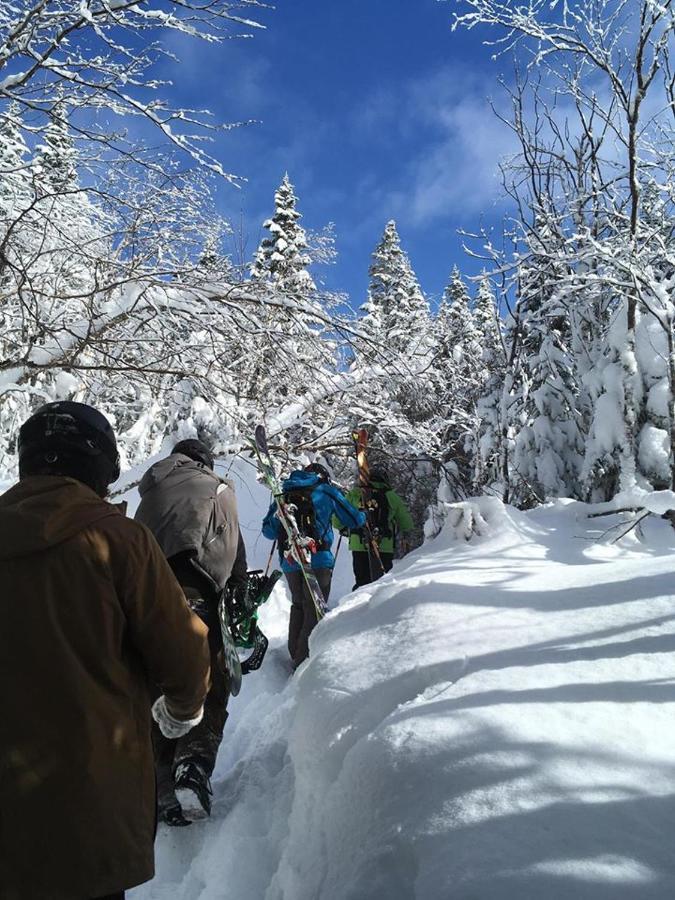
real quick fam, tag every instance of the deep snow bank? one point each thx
(494, 719)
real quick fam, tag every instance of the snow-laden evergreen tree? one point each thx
(458, 335)
(609, 463)
(55, 160)
(392, 372)
(290, 356)
(549, 446)
(282, 258)
(16, 197)
(456, 368)
(655, 335)
(487, 444)
(15, 180)
(396, 312)
(48, 229)
(593, 169)
(488, 329)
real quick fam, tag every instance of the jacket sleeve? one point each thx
(400, 512)
(348, 515)
(271, 524)
(170, 638)
(354, 497)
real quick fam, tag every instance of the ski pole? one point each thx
(269, 561)
(338, 549)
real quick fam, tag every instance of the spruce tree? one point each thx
(55, 161)
(282, 257)
(488, 441)
(396, 312)
(289, 355)
(459, 336)
(548, 445)
(456, 361)
(16, 197)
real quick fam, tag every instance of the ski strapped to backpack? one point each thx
(360, 438)
(299, 504)
(300, 548)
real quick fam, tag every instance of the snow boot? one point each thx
(173, 815)
(193, 790)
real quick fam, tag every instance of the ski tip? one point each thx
(261, 438)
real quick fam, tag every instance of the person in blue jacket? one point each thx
(316, 501)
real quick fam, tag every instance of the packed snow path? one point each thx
(494, 719)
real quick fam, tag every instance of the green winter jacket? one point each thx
(399, 518)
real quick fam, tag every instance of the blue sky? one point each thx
(376, 109)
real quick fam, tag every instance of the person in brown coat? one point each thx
(192, 513)
(90, 617)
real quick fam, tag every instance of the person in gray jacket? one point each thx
(192, 513)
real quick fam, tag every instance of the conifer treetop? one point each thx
(396, 307)
(282, 258)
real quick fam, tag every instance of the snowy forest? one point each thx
(552, 374)
(491, 716)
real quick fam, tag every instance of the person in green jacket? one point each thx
(387, 513)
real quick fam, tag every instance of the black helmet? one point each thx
(68, 430)
(319, 470)
(196, 450)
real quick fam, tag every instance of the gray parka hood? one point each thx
(179, 469)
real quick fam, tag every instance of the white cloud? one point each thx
(462, 168)
(448, 140)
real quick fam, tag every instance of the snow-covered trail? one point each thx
(494, 719)
(241, 835)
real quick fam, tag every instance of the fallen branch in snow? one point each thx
(634, 524)
(643, 513)
(613, 512)
(655, 503)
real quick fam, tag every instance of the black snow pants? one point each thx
(303, 612)
(201, 743)
(361, 566)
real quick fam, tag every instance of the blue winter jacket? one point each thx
(327, 501)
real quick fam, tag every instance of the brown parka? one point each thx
(91, 617)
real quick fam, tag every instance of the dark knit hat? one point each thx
(196, 450)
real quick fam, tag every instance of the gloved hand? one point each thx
(345, 532)
(169, 725)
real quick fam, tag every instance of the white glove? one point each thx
(169, 725)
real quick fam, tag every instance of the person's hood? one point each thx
(43, 511)
(301, 480)
(178, 467)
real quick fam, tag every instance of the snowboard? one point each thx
(231, 660)
(243, 604)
